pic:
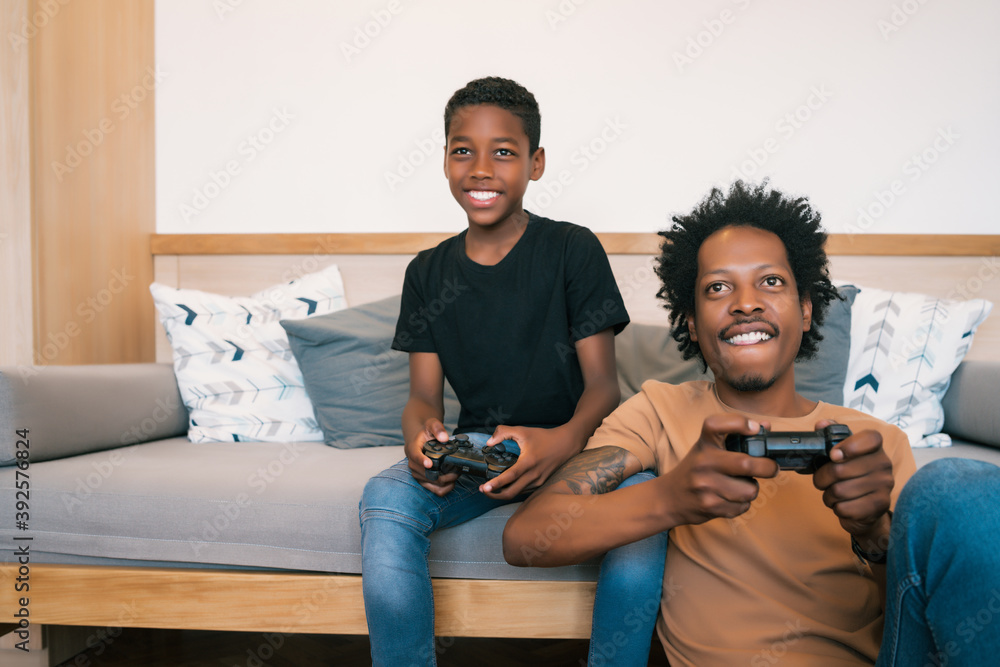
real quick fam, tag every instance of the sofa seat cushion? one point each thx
(267, 505)
(959, 449)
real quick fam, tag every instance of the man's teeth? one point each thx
(483, 195)
(748, 338)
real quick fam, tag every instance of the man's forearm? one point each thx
(575, 516)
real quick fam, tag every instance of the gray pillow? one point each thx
(357, 383)
(648, 352)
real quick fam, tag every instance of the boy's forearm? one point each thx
(597, 402)
(415, 416)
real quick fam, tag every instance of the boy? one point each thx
(519, 313)
(745, 279)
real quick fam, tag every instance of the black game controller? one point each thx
(461, 456)
(801, 451)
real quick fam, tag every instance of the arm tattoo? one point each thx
(593, 471)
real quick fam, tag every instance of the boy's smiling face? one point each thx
(748, 318)
(488, 162)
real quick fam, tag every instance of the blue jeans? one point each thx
(943, 596)
(397, 518)
(628, 598)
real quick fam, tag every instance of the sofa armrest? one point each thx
(972, 403)
(71, 410)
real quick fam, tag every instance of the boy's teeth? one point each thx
(747, 338)
(482, 195)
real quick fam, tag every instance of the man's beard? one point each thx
(752, 382)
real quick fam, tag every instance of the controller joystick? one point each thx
(801, 451)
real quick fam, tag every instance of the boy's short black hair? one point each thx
(791, 219)
(503, 93)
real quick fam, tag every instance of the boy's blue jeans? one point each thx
(943, 595)
(397, 518)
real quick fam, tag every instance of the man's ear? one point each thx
(538, 164)
(807, 313)
(692, 332)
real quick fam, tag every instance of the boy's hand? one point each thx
(419, 464)
(543, 450)
(857, 485)
(711, 482)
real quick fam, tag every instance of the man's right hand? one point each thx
(711, 482)
(419, 464)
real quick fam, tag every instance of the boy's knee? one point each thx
(388, 490)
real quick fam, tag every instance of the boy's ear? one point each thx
(538, 164)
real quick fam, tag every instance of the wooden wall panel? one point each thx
(15, 189)
(92, 112)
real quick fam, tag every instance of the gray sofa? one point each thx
(116, 487)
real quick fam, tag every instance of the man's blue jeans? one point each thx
(397, 518)
(943, 596)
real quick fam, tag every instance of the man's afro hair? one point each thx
(791, 219)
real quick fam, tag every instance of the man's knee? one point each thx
(945, 486)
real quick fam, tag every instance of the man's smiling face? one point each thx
(748, 318)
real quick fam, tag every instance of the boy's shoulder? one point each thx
(540, 231)
(559, 227)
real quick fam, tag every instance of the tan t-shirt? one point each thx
(776, 585)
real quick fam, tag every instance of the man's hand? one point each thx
(419, 464)
(857, 485)
(543, 450)
(711, 482)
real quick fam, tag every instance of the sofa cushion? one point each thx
(647, 351)
(265, 505)
(235, 371)
(904, 349)
(357, 383)
(969, 412)
(65, 408)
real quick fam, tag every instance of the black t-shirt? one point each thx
(505, 334)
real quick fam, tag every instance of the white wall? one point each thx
(645, 105)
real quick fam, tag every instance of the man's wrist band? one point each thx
(878, 558)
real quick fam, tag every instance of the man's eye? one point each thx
(716, 288)
(773, 281)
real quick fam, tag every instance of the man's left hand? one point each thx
(857, 485)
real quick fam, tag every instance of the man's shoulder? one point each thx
(657, 391)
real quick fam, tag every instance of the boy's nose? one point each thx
(482, 167)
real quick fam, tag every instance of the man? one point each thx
(762, 564)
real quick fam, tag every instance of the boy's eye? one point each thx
(506, 152)
(460, 151)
